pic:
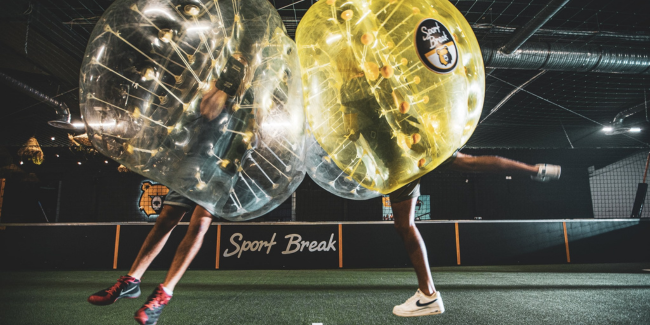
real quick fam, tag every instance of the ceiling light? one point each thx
(635, 129)
(608, 129)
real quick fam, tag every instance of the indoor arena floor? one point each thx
(541, 294)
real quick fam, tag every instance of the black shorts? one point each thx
(176, 199)
(412, 189)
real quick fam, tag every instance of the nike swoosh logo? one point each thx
(417, 303)
(127, 291)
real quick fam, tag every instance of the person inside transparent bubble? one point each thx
(221, 134)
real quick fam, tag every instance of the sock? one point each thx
(167, 291)
(136, 279)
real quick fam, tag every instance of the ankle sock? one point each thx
(167, 291)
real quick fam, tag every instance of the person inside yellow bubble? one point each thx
(366, 127)
(366, 122)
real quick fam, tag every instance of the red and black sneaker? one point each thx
(149, 312)
(126, 287)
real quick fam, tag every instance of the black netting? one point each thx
(558, 117)
(614, 187)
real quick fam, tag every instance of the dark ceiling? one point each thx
(43, 42)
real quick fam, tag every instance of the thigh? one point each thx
(406, 192)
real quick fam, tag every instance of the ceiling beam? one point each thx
(523, 33)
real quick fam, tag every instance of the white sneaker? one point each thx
(547, 173)
(420, 305)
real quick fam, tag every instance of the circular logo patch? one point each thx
(435, 46)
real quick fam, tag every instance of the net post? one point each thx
(216, 266)
(117, 246)
(566, 242)
(641, 191)
(457, 244)
(340, 245)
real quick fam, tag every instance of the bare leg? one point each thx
(199, 224)
(487, 164)
(169, 217)
(405, 225)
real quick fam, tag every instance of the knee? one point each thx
(199, 229)
(168, 219)
(402, 228)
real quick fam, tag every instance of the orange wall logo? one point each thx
(151, 199)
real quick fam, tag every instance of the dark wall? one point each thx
(96, 192)
(101, 197)
(463, 196)
(316, 204)
(363, 245)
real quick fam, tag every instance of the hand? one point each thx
(351, 125)
(213, 102)
(353, 136)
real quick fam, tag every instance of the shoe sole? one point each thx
(419, 314)
(114, 301)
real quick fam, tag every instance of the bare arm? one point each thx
(213, 102)
(490, 164)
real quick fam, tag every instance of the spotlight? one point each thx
(106, 161)
(57, 155)
(508, 177)
(52, 138)
(608, 129)
(21, 162)
(635, 130)
(78, 162)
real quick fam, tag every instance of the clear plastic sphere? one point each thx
(392, 88)
(204, 97)
(322, 169)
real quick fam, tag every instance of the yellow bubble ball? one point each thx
(371, 70)
(347, 15)
(380, 123)
(367, 39)
(404, 107)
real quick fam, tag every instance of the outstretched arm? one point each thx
(491, 164)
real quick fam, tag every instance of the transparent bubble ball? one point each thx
(324, 172)
(204, 97)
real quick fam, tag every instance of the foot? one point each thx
(126, 287)
(547, 173)
(421, 305)
(149, 312)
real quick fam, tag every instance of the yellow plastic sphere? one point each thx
(389, 108)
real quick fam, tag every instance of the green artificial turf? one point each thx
(547, 294)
